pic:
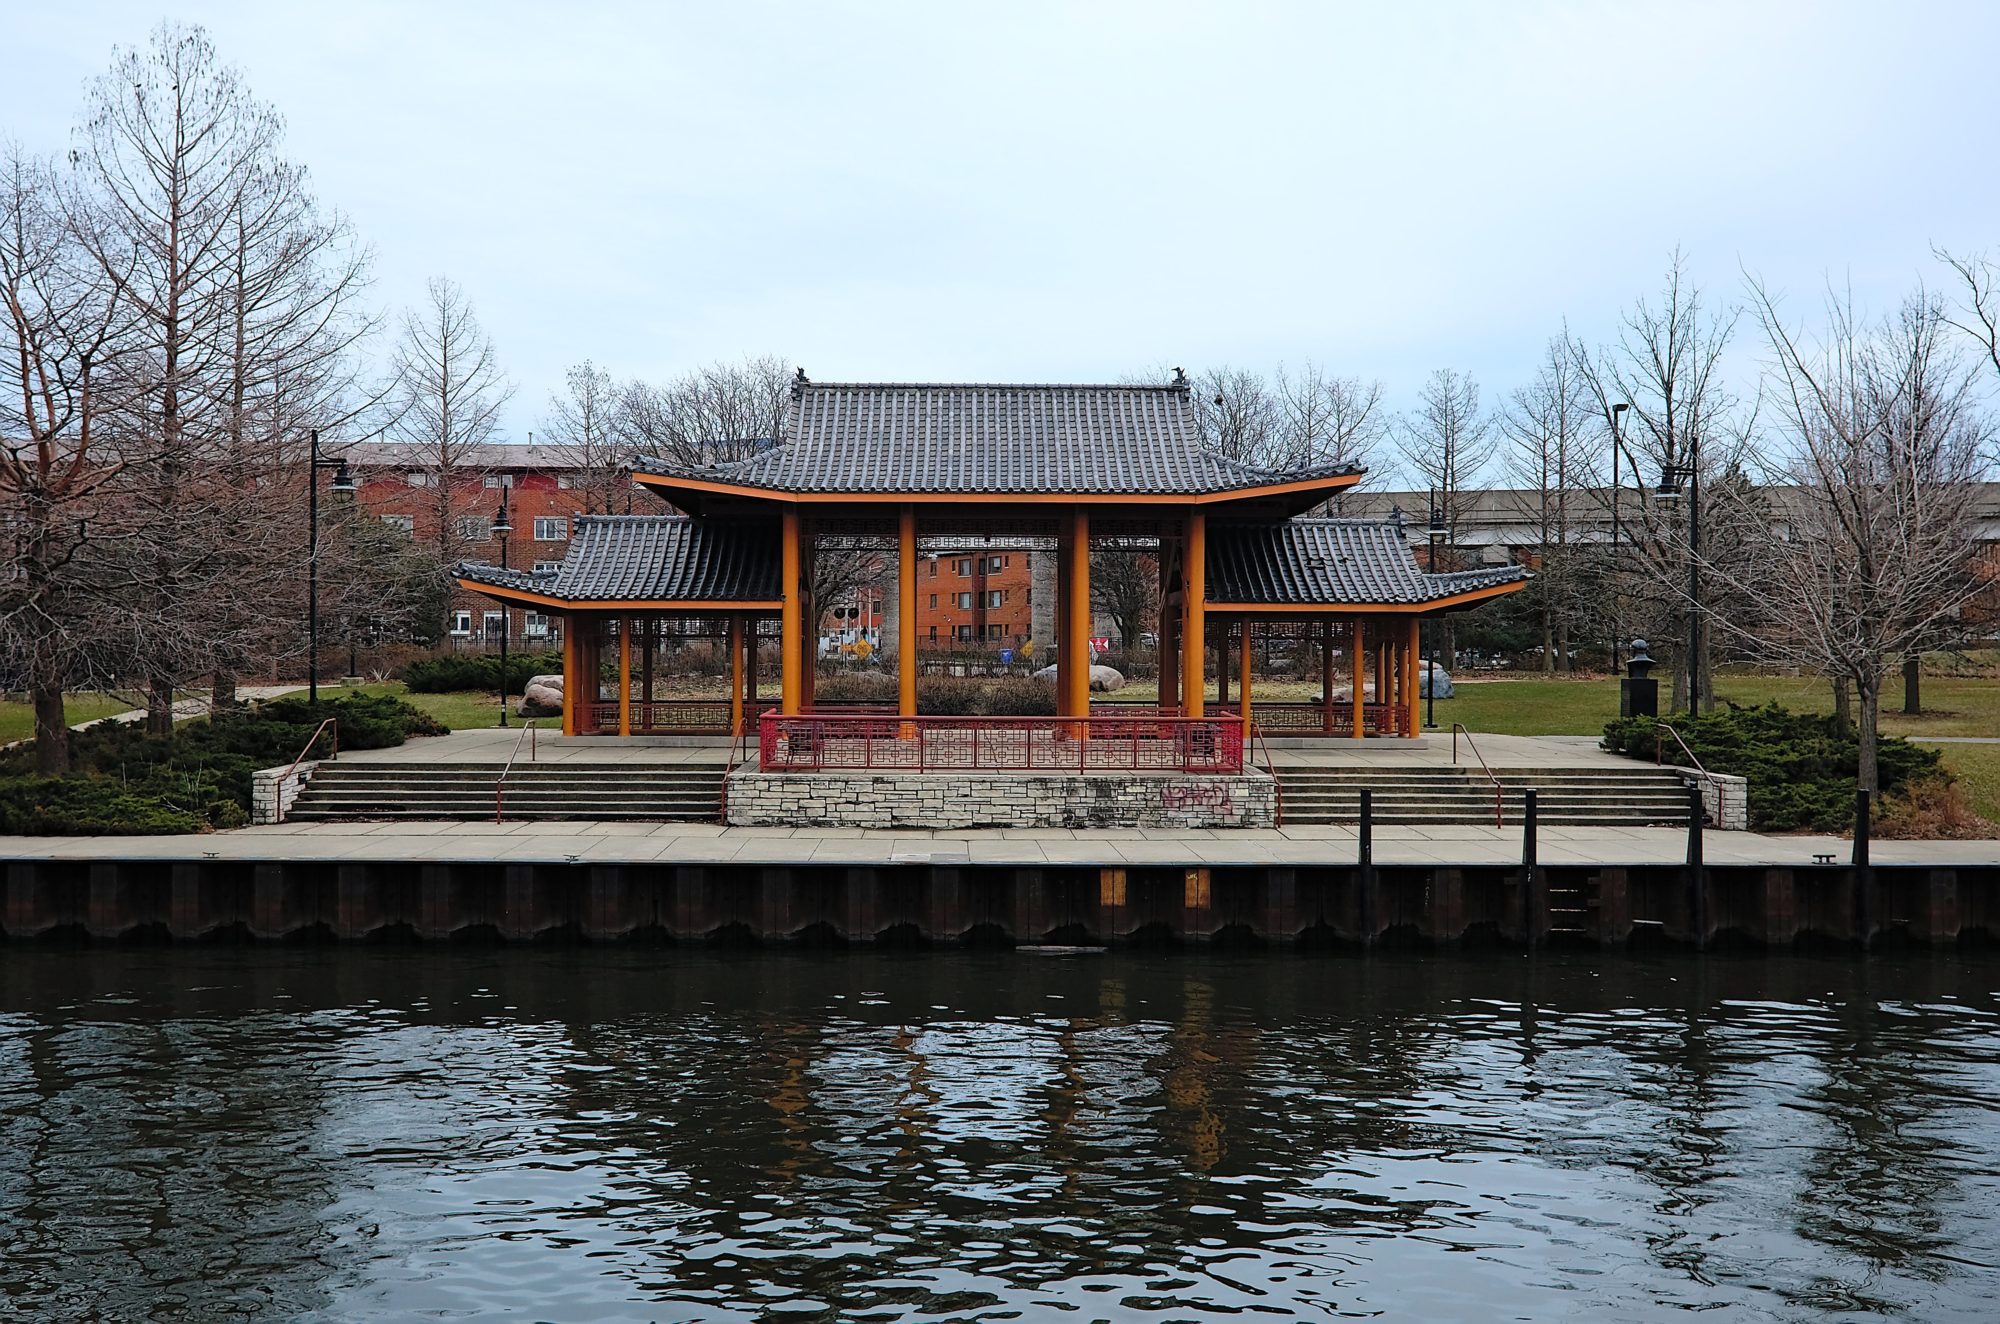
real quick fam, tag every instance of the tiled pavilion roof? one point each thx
(649, 558)
(1324, 562)
(886, 438)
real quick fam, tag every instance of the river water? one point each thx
(342, 1134)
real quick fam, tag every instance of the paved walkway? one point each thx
(707, 843)
(200, 706)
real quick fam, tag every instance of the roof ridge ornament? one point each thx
(1180, 381)
(799, 382)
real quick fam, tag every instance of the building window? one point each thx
(544, 567)
(461, 623)
(403, 524)
(965, 632)
(965, 601)
(996, 632)
(418, 478)
(995, 596)
(491, 624)
(499, 480)
(565, 481)
(933, 567)
(962, 566)
(472, 528)
(934, 632)
(537, 626)
(994, 564)
(933, 599)
(551, 528)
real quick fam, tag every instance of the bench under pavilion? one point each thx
(885, 469)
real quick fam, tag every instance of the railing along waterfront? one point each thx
(813, 742)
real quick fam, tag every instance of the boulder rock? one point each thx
(1424, 672)
(1103, 679)
(542, 697)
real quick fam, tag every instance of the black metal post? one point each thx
(312, 573)
(1617, 616)
(1528, 850)
(1697, 881)
(1694, 578)
(1430, 676)
(504, 528)
(1366, 855)
(1861, 826)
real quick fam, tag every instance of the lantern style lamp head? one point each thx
(343, 479)
(501, 524)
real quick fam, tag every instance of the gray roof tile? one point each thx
(651, 558)
(1324, 561)
(978, 439)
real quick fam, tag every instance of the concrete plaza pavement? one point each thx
(708, 843)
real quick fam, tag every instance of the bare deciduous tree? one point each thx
(1550, 427)
(1667, 363)
(1884, 447)
(717, 413)
(65, 510)
(583, 427)
(1448, 441)
(448, 395)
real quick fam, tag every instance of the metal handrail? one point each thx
(1270, 766)
(730, 765)
(1711, 778)
(499, 783)
(333, 722)
(1499, 819)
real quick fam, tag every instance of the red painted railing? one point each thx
(827, 741)
(672, 716)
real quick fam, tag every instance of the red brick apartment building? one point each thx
(965, 599)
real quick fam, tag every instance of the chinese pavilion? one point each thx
(882, 468)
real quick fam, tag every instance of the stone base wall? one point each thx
(980, 800)
(1725, 798)
(272, 791)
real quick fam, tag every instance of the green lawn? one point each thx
(461, 710)
(1977, 768)
(17, 720)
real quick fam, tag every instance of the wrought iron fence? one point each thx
(1147, 743)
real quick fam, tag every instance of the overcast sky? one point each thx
(1021, 192)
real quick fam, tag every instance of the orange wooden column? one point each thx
(1076, 677)
(624, 675)
(1194, 615)
(1360, 675)
(1411, 696)
(790, 690)
(572, 672)
(906, 611)
(1326, 677)
(735, 675)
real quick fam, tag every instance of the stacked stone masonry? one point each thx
(978, 800)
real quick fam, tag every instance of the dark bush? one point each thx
(1801, 767)
(198, 776)
(56, 806)
(847, 686)
(477, 671)
(949, 696)
(1019, 696)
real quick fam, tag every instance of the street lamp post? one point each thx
(343, 481)
(1617, 617)
(1435, 531)
(1671, 478)
(503, 527)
